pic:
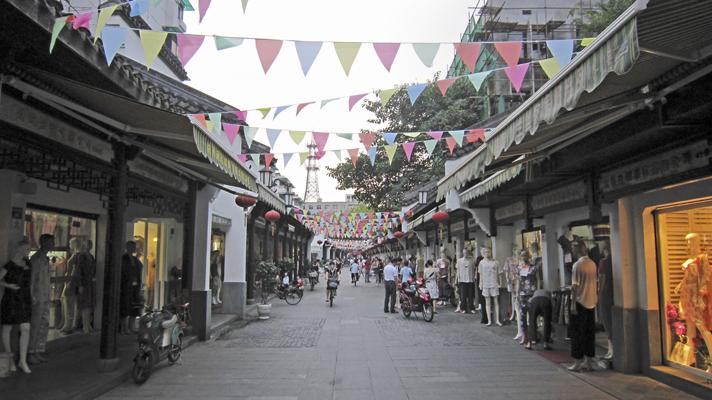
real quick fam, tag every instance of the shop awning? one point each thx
(169, 136)
(270, 198)
(498, 179)
(647, 40)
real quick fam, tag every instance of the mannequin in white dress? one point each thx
(490, 271)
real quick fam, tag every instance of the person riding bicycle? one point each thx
(332, 275)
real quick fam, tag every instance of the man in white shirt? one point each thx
(390, 273)
(584, 296)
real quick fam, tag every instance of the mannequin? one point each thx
(693, 290)
(536, 262)
(443, 266)
(605, 295)
(511, 265)
(526, 287)
(215, 276)
(69, 293)
(86, 281)
(490, 270)
(465, 278)
(566, 242)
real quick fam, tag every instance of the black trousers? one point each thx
(390, 296)
(467, 293)
(583, 332)
(540, 306)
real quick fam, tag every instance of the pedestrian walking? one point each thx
(354, 272)
(367, 271)
(390, 273)
(584, 296)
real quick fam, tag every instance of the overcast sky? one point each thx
(235, 75)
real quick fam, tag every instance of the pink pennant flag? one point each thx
(386, 53)
(408, 149)
(242, 158)
(320, 138)
(355, 99)
(241, 115)
(437, 135)
(319, 154)
(475, 135)
(231, 130)
(301, 106)
(200, 118)
(444, 84)
(468, 52)
(516, 75)
(367, 139)
(267, 50)
(451, 143)
(188, 45)
(268, 159)
(509, 51)
(203, 8)
(82, 20)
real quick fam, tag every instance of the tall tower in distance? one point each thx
(312, 189)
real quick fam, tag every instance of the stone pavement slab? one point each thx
(354, 351)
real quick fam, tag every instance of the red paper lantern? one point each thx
(440, 216)
(409, 215)
(245, 201)
(398, 234)
(273, 216)
(319, 242)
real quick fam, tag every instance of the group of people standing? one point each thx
(26, 297)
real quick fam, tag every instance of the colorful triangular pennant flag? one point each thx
(426, 52)
(285, 159)
(430, 145)
(307, 52)
(387, 53)
(231, 131)
(478, 78)
(272, 135)
(516, 75)
(347, 51)
(450, 143)
(353, 153)
(320, 138)
(203, 6)
(386, 95)
(587, 41)
(112, 38)
(367, 139)
(327, 101)
(303, 157)
(264, 111)
(224, 42)
(562, 50)
(267, 51)
(458, 135)
(414, 91)
(268, 159)
(509, 51)
(550, 66)
(347, 136)
(255, 159)
(390, 152)
(279, 110)
(468, 52)
(249, 132)
(355, 99)
(444, 84)
(152, 43)
(372, 157)
(59, 24)
(437, 135)
(104, 14)
(216, 120)
(408, 149)
(390, 137)
(301, 106)
(297, 136)
(188, 45)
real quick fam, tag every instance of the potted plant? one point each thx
(266, 274)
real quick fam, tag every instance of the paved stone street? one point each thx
(355, 351)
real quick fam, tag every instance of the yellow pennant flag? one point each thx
(347, 51)
(303, 157)
(152, 43)
(104, 15)
(297, 136)
(264, 111)
(587, 41)
(390, 152)
(411, 134)
(386, 95)
(550, 66)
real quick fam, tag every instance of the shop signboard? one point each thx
(668, 164)
(509, 211)
(39, 123)
(155, 173)
(566, 194)
(218, 220)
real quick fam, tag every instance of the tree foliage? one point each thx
(596, 21)
(382, 186)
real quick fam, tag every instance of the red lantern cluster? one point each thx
(398, 234)
(245, 201)
(273, 216)
(440, 216)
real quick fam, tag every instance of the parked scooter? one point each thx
(160, 336)
(313, 279)
(293, 293)
(415, 297)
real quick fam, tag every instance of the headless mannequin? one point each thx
(511, 276)
(489, 284)
(566, 241)
(70, 312)
(537, 263)
(465, 280)
(694, 290)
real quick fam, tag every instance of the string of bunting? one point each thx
(152, 41)
(338, 224)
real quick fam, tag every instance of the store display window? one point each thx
(71, 231)
(684, 246)
(150, 250)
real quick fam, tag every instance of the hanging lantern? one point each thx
(440, 216)
(398, 234)
(319, 242)
(272, 216)
(245, 201)
(409, 215)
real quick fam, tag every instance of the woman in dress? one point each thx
(432, 276)
(16, 304)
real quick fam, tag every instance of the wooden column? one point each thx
(251, 251)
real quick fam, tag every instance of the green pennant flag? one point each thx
(390, 152)
(386, 95)
(249, 132)
(347, 51)
(303, 157)
(187, 6)
(411, 134)
(297, 136)
(430, 145)
(458, 135)
(255, 159)
(327, 101)
(216, 119)
(59, 24)
(337, 153)
(587, 41)
(347, 136)
(224, 42)
(244, 5)
(104, 15)
(152, 43)
(550, 66)
(264, 111)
